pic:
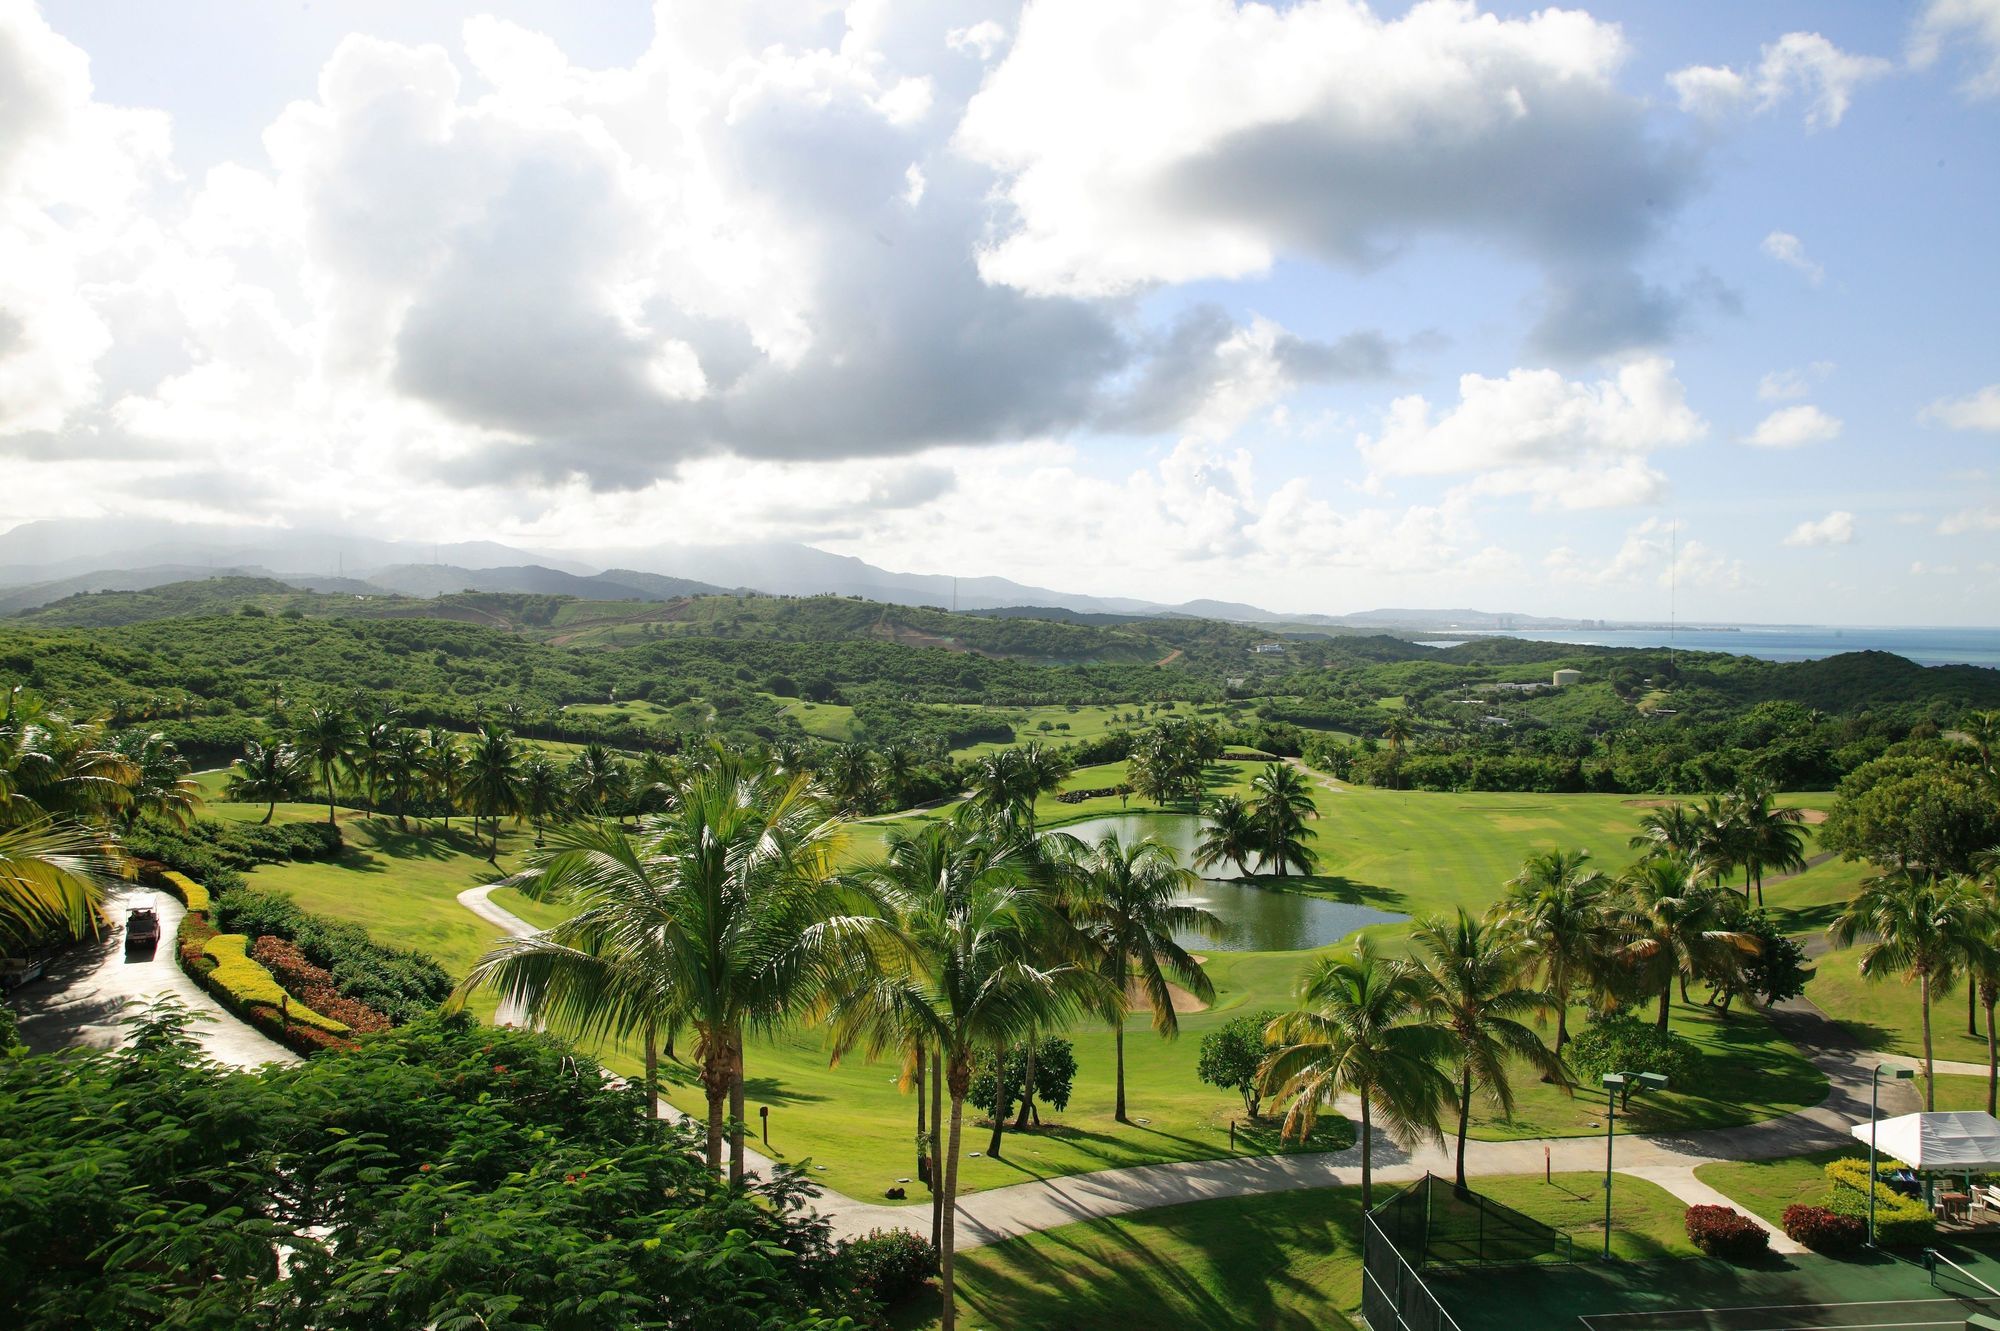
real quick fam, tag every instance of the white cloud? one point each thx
(1784, 385)
(1652, 552)
(1975, 411)
(1799, 64)
(1569, 443)
(1792, 427)
(1986, 517)
(1977, 24)
(1233, 135)
(1836, 528)
(1789, 250)
(980, 39)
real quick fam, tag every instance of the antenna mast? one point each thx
(1673, 585)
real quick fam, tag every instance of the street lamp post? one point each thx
(1615, 1082)
(1874, 1092)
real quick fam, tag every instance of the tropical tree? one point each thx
(1351, 1036)
(493, 780)
(1042, 770)
(444, 769)
(1766, 837)
(267, 773)
(850, 776)
(1228, 834)
(162, 784)
(1128, 909)
(1466, 982)
(1560, 907)
(1924, 929)
(1279, 813)
(1673, 829)
(952, 969)
(326, 738)
(54, 873)
(52, 765)
(1001, 788)
(544, 793)
(596, 777)
(400, 775)
(1678, 929)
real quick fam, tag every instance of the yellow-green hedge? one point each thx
(245, 980)
(192, 894)
(1900, 1222)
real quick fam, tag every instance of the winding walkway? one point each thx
(1667, 1159)
(89, 990)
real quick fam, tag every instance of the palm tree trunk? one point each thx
(1992, 1051)
(736, 1161)
(923, 1170)
(273, 808)
(330, 821)
(937, 1154)
(715, 1084)
(1118, 1025)
(947, 1291)
(1971, 1024)
(1666, 1005)
(1464, 1119)
(652, 1071)
(1930, 1072)
(1760, 889)
(999, 1105)
(1027, 1089)
(1367, 1159)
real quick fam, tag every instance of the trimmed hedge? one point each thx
(312, 985)
(246, 982)
(1900, 1222)
(1722, 1232)
(1823, 1230)
(400, 984)
(192, 894)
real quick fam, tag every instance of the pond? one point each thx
(1258, 919)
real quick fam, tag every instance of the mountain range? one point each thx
(42, 562)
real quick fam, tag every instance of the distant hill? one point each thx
(428, 580)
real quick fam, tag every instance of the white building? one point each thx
(1565, 678)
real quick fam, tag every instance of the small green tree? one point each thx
(1232, 1058)
(1623, 1043)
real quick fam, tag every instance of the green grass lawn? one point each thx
(821, 720)
(1062, 724)
(1766, 1187)
(1284, 1260)
(1886, 1014)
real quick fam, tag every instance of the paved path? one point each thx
(1668, 1159)
(86, 993)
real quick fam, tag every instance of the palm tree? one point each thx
(850, 773)
(1042, 770)
(596, 777)
(1351, 1036)
(53, 875)
(400, 772)
(1466, 986)
(162, 785)
(1000, 788)
(50, 764)
(444, 769)
(1922, 928)
(1229, 834)
(1678, 927)
(952, 969)
(267, 772)
(1767, 837)
(326, 738)
(1280, 811)
(493, 781)
(544, 793)
(374, 738)
(1129, 909)
(1675, 829)
(1560, 908)
(1983, 730)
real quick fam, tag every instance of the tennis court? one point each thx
(1802, 1293)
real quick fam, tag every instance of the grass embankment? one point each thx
(1411, 853)
(1287, 1259)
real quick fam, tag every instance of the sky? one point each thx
(1321, 306)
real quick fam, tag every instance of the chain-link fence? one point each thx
(1434, 1223)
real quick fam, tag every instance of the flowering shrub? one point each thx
(312, 985)
(1823, 1230)
(1722, 1232)
(241, 983)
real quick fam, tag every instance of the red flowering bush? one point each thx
(1823, 1230)
(1722, 1232)
(312, 985)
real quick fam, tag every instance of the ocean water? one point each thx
(1980, 647)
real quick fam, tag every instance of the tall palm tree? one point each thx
(1042, 770)
(1351, 1034)
(52, 765)
(1767, 837)
(493, 780)
(1679, 929)
(54, 873)
(952, 969)
(163, 785)
(1466, 981)
(1673, 829)
(1000, 787)
(267, 772)
(326, 738)
(374, 738)
(544, 793)
(444, 769)
(1228, 835)
(596, 777)
(1282, 805)
(1128, 909)
(1921, 928)
(1560, 907)
(400, 775)
(850, 775)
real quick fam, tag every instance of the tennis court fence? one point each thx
(1434, 1223)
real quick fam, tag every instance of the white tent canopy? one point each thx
(1941, 1142)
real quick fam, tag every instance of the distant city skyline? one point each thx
(1318, 307)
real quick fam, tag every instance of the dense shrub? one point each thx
(192, 894)
(1823, 1230)
(892, 1264)
(311, 985)
(1722, 1232)
(242, 983)
(1232, 1057)
(400, 984)
(1623, 1043)
(1900, 1222)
